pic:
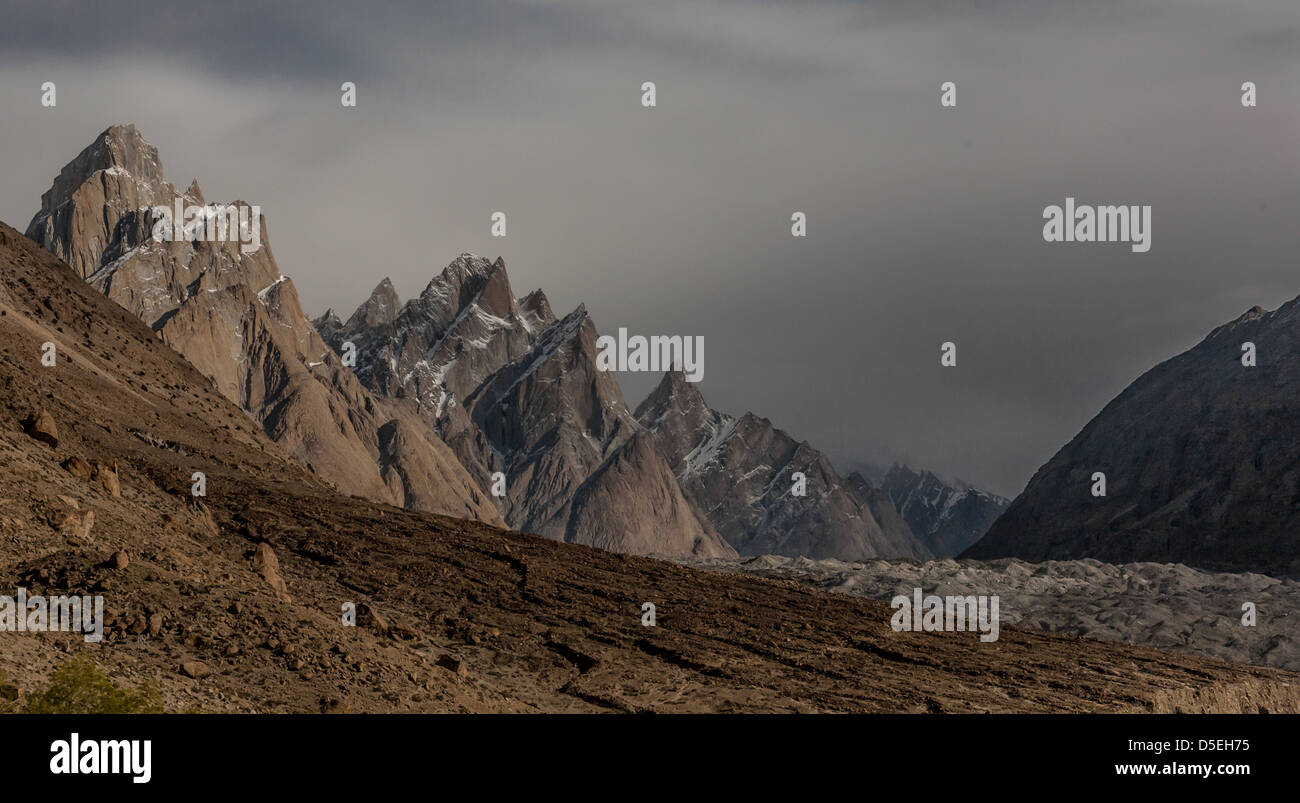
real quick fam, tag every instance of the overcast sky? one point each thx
(924, 223)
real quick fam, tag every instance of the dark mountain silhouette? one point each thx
(1201, 460)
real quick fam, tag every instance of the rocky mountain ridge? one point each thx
(1200, 460)
(426, 403)
(515, 392)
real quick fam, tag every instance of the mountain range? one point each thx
(425, 403)
(513, 389)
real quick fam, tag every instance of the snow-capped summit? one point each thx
(947, 516)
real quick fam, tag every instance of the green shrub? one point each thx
(8, 694)
(79, 686)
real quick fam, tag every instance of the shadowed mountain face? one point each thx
(1201, 464)
(744, 473)
(512, 389)
(239, 592)
(947, 518)
(237, 319)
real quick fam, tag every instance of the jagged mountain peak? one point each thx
(468, 264)
(672, 396)
(440, 347)
(102, 220)
(675, 383)
(327, 323)
(549, 342)
(1255, 314)
(119, 148)
(902, 471)
(381, 308)
(496, 295)
(97, 198)
(467, 279)
(744, 473)
(925, 475)
(124, 146)
(237, 319)
(535, 310)
(125, 133)
(947, 515)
